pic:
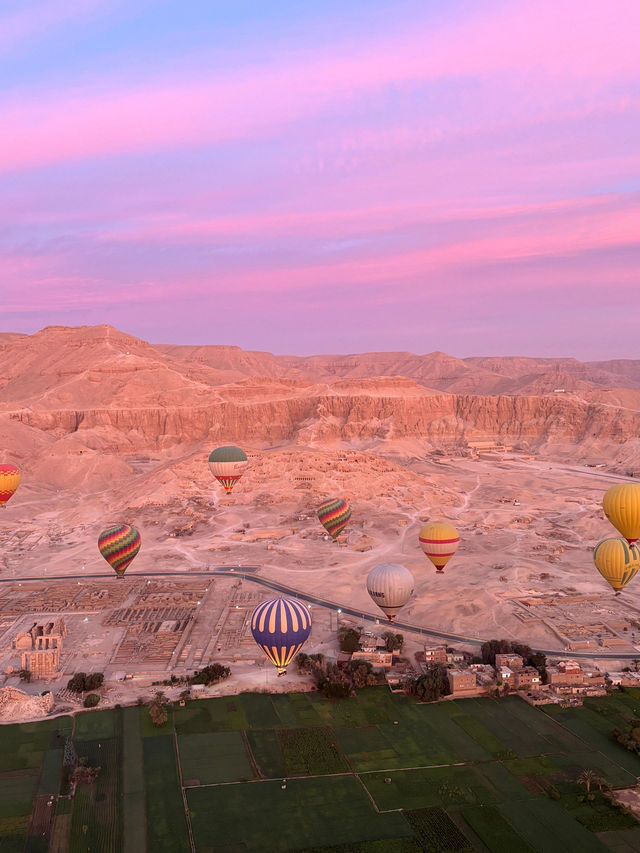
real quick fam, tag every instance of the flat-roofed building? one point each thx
(374, 657)
(510, 660)
(435, 654)
(526, 678)
(565, 672)
(505, 675)
(461, 681)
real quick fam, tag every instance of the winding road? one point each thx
(248, 573)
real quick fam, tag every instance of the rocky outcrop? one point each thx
(15, 704)
(346, 417)
(114, 392)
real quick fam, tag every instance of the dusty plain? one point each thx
(107, 429)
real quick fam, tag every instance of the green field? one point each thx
(294, 772)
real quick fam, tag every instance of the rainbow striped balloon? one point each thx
(334, 515)
(119, 545)
(439, 541)
(9, 481)
(280, 626)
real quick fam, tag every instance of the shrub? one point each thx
(210, 674)
(82, 682)
(349, 640)
(76, 683)
(393, 642)
(91, 700)
(93, 681)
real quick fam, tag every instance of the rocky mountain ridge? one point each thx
(112, 391)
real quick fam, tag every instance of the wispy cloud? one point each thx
(484, 155)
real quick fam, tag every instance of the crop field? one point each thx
(378, 773)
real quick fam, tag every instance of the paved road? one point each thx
(247, 573)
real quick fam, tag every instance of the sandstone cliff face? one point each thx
(346, 417)
(116, 393)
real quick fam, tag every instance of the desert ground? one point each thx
(528, 509)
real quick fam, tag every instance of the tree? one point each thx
(82, 682)
(91, 700)
(432, 684)
(360, 674)
(349, 639)
(303, 662)
(25, 675)
(77, 682)
(587, 778)
(157, 710)
(210, 674)
(93, 681)
(393, 642)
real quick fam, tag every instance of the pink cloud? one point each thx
(550, 41)
(533, 238)
(330, 223)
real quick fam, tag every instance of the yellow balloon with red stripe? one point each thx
(9, 482)
(280, 626)
(439, 541)
(621, 505)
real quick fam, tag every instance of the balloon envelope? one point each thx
(227, 465)
(390, 585)
(439, 541)
(119, 545)
(617, 561)
(9, 481)
(621, 505)
(334, 515)
(280, 626)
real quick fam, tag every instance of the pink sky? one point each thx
(420, 176)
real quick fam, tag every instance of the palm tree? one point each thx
(586, 778)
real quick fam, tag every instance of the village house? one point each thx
(462, 682)
(435, 654)
(374, 657)
(625, 679)
(485, 673)
(510, 660)
(566, 672)
(505, 675)
(527, 678)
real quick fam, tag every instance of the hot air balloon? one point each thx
(227, 465)
(119, 545)
(439, 541)
(621, 505)
(617, 561)
(334, 515)
(9, 482)
(280, 626)
(390, 586)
